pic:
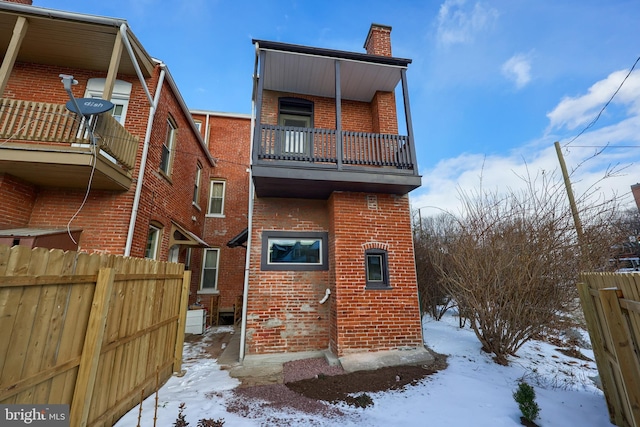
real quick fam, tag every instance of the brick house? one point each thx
(128, 183)
(331, 250)
(219, 288)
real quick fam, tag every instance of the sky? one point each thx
(472, 391)
(493, 84)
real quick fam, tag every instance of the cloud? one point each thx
(573, 112)
(589, 166)
(518, 69)
(460, 23)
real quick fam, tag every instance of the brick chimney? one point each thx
(378, 40)
(29, 2)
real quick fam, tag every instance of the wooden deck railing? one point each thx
(320, 146)
(43, 122)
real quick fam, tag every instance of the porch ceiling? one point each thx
(315, 75)
(69, 40)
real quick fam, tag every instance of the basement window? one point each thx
(288, 250)
(376, 269)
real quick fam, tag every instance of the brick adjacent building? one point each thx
(126, 183)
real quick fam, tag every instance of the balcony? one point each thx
(312, 163)
(46, 145)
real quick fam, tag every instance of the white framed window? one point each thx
(187, 259)
(216, 198)
(294, 113)
(196, 185)
(168, 147)
(210, 265)
(119, 97)
(153, 241)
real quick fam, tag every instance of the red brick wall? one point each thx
(385, 119)
(229, 142)
(366, 319)
(17, 198)
(283, 309)
(356, 116)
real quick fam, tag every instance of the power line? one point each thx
(593, 122)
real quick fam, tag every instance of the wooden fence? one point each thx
(611, 304)
(96, 332)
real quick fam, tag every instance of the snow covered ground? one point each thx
(472, 391)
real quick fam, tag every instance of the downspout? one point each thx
(143, 162)
(245, 290)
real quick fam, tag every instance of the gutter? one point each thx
(60, 14)
(143, 162)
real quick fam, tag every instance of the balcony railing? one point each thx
(52, 124)
(320, 147)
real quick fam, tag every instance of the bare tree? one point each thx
(511, 261)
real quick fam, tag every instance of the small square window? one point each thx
(376, 269)
(284, 250)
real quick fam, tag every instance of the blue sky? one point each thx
(492, 84)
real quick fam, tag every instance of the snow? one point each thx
(472, 391)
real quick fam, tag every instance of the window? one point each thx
(119, 96)
(289, 250)
(376, 269)
(168, 147)
(196, 185)
(210, 270)
(187, 259)
(153, 240)
(198, 124)
(216, 198)
(297, 113)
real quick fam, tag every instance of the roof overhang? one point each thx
(181, 236)
(239, 240)
(70, 39)
(311, 71)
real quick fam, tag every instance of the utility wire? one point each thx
(593, 122)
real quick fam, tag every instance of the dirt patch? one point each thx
(311, 385)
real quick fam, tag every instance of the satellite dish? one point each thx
(89, 106)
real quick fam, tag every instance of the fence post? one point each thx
(88, 368)
(182, 319)
(597, 342)
(624, 352)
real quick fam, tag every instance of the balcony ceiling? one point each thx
(69, 40)
(312, 71)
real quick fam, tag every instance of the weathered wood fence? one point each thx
(93, 331)
(611, 304)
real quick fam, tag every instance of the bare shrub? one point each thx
(511, 261)
(435, 299)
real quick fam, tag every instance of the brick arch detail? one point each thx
(375, 245)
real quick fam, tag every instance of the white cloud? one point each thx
(500, 173)
(573, 112)
(518, 69)
(460, 23)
